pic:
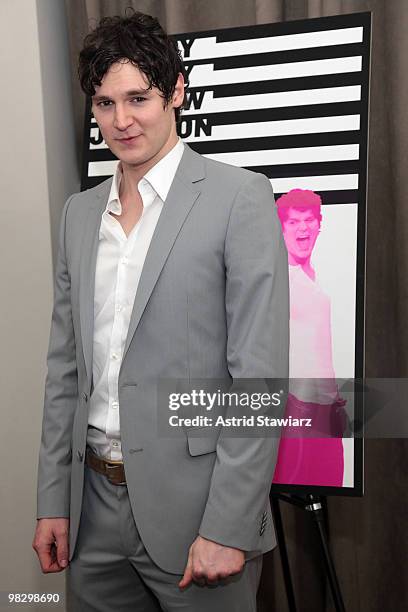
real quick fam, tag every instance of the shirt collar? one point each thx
(113, 198)
(159, 178)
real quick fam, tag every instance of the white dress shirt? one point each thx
(119, 266)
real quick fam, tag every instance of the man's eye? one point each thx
(138, 99)
(104, 103)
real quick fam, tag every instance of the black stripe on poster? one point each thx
(294, 141)
(347, 196)
(281, 57)
(309, 169)
(278, 113)
(300, 83)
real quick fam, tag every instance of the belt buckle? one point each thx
(110, 465)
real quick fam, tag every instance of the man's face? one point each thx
(135, 123)
(300, 231)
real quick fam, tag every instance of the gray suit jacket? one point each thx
(212, 302)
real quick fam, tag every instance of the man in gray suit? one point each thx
(175, 269)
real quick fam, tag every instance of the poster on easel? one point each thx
(290, 100)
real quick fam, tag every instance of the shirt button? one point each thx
(118, 307)
(115, 404)
(125, 260)
(115, 443)
(114, 356)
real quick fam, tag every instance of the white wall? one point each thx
(38, 170)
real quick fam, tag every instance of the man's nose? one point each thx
(122, 120)
(302, 226)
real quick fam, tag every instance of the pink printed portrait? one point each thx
(322, 303)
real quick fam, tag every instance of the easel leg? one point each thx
(315, 507)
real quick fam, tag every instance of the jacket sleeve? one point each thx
(61, 396)
(257, 307)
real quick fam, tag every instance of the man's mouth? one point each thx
(128, 139)
(303, 241)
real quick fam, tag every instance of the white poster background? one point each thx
(335, 261)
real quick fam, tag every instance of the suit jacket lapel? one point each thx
(183, 193)
(89, 250)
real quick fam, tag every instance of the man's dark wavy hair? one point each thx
(139, 39)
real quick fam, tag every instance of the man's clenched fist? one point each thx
(209, 562)
(51, 544)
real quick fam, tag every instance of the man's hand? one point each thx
(209, 562)
(51, 544)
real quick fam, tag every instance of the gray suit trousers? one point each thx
(111, 569)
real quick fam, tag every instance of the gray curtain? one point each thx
(368, 536)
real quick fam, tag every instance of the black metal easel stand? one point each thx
(312, 504)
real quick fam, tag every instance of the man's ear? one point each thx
(178, 94)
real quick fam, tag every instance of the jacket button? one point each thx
(80, 456)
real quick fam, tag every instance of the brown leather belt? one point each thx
(113, 470)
